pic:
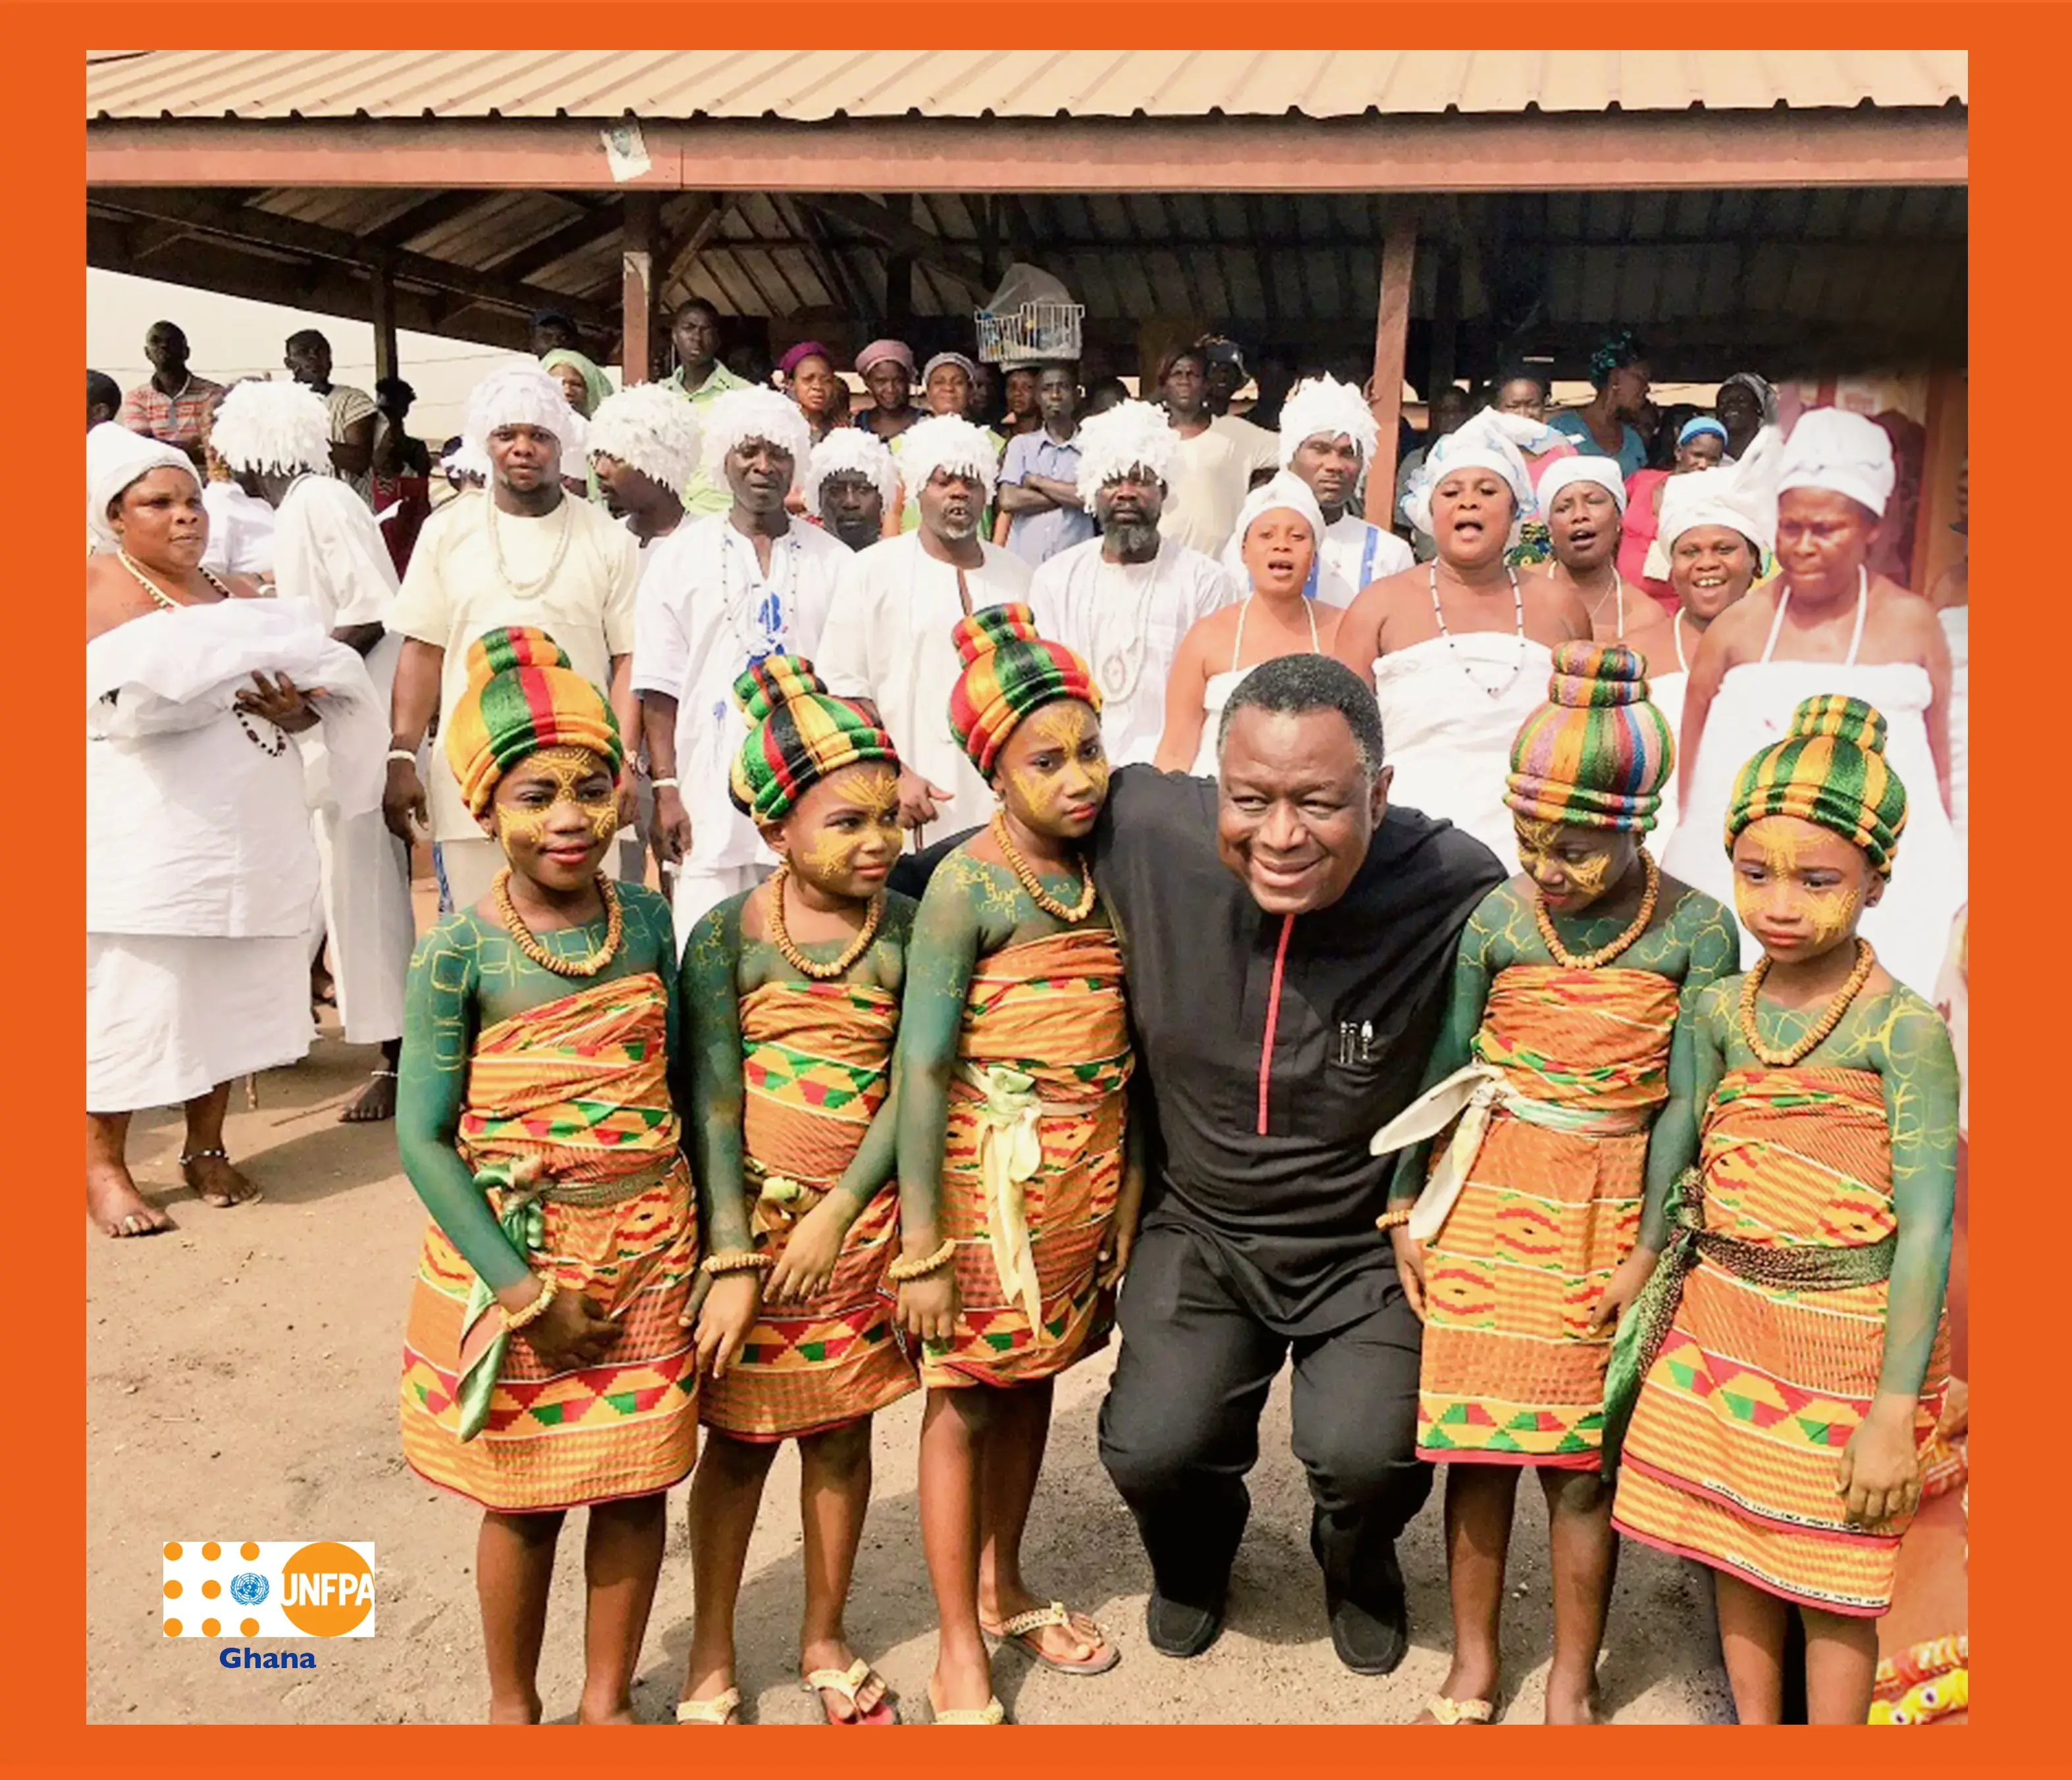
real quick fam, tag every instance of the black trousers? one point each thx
(1179, 1429)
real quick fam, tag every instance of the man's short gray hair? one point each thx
(1301, 683)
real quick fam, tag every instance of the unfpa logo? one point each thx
(268, 1589)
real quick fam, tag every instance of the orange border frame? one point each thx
(2018, 243)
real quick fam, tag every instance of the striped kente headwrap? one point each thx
(1830, 769)
(1008, 671)
(522, 695)
(1597, 753)
(802, 732)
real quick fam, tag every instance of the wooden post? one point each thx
(384, 319)
(637, 362)
(1392, 333)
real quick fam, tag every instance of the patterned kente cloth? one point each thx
(1036, 1134)
(578, 1086)
(1511, 1373)
(817, 1059)
(1737, 1437)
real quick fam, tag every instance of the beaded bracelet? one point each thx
(736, 1260)
(662, 784)
(1395, 1214)
(536, 1310)
(903, 1269)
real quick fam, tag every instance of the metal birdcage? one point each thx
(1043, 329)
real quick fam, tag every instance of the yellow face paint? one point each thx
(1572, 865)
(572, 772)
(1050, 775)
(847, 828)
(1775, 900)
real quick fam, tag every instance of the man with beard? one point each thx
(1289, 935)
(888, 637)
(1123, 600)
(525, 554)
(850, 482)
(1327, 435)
(718, 595)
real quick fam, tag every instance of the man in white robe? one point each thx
(888, 636)
(524, 553)
(717, 595)
(330, 556)
(1123, 600)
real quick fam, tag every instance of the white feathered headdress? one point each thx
(1322, 408)
(275, 427)
(649, 428)
(756, 413)
(950, 442)
(852, 451)
(520, 393)
(1132, 435)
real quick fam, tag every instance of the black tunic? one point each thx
(1262, 1151)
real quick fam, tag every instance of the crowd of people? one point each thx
(1106, 880)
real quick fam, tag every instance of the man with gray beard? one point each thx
(1123, 600)
(888, 631)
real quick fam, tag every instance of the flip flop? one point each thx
(993, 1712)
(1022, 1629)
(1459, 1711)
(849, 1682)
(718, 1710)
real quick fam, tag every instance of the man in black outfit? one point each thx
(1290, 941)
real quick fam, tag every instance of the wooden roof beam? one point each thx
(432, 210)
(900, 234)
(596, 223)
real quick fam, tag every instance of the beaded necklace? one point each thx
(1118, 664)
(1518, 618)
(522, 936)
(525, 590)
(1043, 899)
(1603, 955)
(1818, 1033)
(780, 936)
(766, 612)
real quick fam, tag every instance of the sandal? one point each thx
(1459, 1711)
(1023, 1628)
(993, 1712)
(849, 1682)
(718, 1710)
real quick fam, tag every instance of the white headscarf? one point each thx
(1322, 408)
(1741, 496)
(1831, 448)
(1132, 435)
(276, 427)
(1489, 440)
(115, 458)
(755, 413)
(852, 451)
(521, 394)
(951, 442)
(1286, 490)
(648, 427)
(1582, 467)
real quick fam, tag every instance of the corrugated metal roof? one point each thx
(811, 85)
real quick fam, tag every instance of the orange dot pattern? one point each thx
(172, 1591)
(248, 1551)
(211, 1587)
(172, 1628)
(172, 1551)
(212, 1550)
(211, 1627)
(250, 1628)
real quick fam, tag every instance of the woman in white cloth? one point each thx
(1458, 649)
(1278, 530)
(1122, 601)
(1950, 595)
(200, 870)
(1713, 527)
(330, 556)
(1826, 625)
(1584, 503)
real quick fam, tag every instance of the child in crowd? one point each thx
(1788, 1356)
(792, 998)
(1565, 1059)
(1022, 1172)
(545, 1367)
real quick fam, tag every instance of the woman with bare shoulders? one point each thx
(1279, 530)
(1584, 502)
(1458, 649)
(201, 870)
(1826, 625)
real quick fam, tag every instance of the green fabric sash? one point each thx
(1646, 1322)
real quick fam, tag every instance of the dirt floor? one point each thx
(241, 1384)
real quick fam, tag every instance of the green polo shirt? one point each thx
(702, 495)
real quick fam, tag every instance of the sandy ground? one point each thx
(241, 1384)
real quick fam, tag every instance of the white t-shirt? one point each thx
(705, 611)
(1125, 620)
(1211, 476)
(1356, 552)
(454, 591)
(888, 640)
